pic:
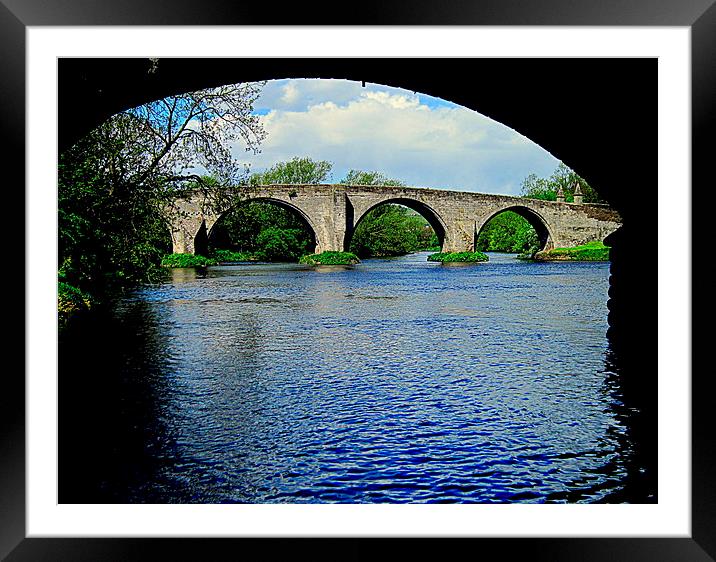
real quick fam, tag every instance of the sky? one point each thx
(421, 140)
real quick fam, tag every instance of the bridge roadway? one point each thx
(332, 212)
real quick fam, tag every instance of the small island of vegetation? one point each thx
(591, 251)
(330, 258)
(458, 257)
(187, 260)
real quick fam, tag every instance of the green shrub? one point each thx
(391, 230)
(330, 258)
(508, 232)
(187, 260)
(281, 244)
(450, 257)
(242, 230)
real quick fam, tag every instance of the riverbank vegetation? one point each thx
(458, 257)
(592, 251)
(261, 231)
(269, 231)
(330, 258)
(389, 229)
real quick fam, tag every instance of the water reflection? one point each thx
(393, 381)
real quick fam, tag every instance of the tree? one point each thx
(360, 177)
(240, 229)
(168, 140)
(281, 244)
(535, 187)
(243, 228)
(115, 183)
(388, 230)
(508, 232)
(274, 233)
(297, 170)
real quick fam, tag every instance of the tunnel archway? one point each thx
(240, 228)
(434, 220)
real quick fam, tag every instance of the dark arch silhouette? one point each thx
(531, 216)
(427, 212)
(601, 120)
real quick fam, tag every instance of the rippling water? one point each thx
(396, 380)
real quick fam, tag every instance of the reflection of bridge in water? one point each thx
(332, 213)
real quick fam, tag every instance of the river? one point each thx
(396, 380)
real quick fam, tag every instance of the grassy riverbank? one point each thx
(458, 257)
(591, 251)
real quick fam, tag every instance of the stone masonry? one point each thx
(333, 211)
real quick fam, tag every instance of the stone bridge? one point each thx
(332, 213)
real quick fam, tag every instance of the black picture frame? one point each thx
(700, 16)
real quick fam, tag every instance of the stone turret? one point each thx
(578, 197)
(560, 195)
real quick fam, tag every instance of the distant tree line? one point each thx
(563, 177)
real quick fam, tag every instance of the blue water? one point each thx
(395, 380)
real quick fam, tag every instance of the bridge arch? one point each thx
(426, 211)
(300, 214)
(545, 233)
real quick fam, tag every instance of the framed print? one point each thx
(78, 482)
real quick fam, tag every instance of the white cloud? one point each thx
(395, 132)
(298, 95)
(290, 94)
(395, 101)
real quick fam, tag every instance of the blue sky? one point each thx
(424, 141)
